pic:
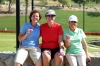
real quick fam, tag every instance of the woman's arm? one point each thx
(21, 36)
(85, 49)
(85, 46)
(67, 41)
(60, 41)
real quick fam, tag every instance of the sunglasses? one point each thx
(50, 15)
(73, 21)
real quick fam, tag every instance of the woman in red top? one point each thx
(51, 33)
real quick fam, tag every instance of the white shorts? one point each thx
(23, 52)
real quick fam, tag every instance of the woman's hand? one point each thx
(67, 41)
(29, 31)
(62, 52)
(88, 59)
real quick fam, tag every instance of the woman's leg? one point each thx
(20, 57)
(46, 57)
(58, 59)
(71, 59)
(81, 58)
(35, 54)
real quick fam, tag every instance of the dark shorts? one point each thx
(53, 51)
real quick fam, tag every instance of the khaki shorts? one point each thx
(23, 52)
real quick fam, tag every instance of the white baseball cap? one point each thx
(73, 18)
(50, 12)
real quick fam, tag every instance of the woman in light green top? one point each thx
(74, 38)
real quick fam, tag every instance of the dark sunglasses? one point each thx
(73, 21)
(50, 15)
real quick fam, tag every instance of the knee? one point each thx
(59, 58)
(46, 55)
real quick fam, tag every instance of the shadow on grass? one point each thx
(93, 14)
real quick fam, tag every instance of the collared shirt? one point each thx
(50, 35)
(75, 41)
(33, 38)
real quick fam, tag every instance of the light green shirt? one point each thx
(75, 41)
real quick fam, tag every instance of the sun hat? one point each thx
(50, 12)
(73, 18)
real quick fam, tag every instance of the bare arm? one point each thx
(21, 36)
(67, 41)
(60, 41)
(85, 48)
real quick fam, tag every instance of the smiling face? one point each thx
(35, 17)
(73, 25)
(50, 18)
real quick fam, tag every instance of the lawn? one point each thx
(91, 23)
(8, 42)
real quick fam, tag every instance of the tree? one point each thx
(80, 2)
(55, 0)
(64, 2)
(9, 5)
(1, 1)
(97, 1)
(43, 2)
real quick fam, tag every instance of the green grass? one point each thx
(91, 23)
(8, 42)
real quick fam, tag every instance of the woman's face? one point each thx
(50, 18)
(73, 25)
(35, 17)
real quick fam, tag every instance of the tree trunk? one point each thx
(9, 10)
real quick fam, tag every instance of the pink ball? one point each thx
(31, 30)
(68, 37)
(61, 53)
